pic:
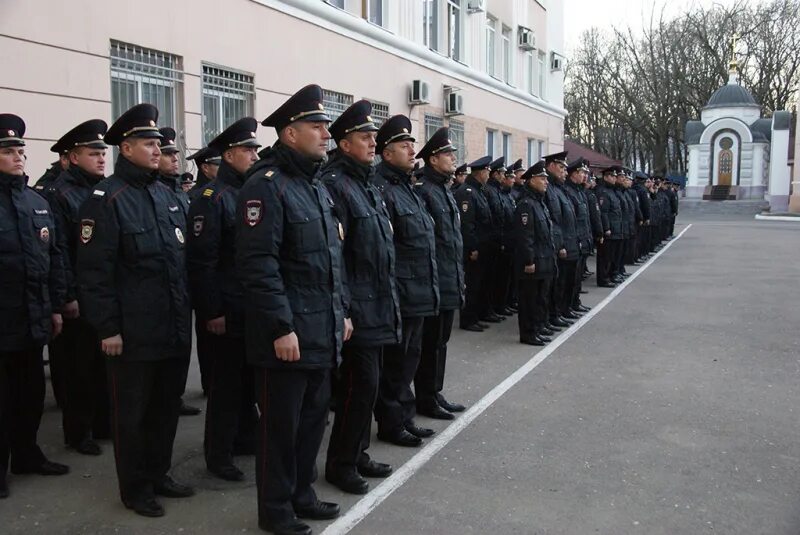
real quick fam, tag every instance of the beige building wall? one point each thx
(56, 59)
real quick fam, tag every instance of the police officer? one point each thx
(52, 173)
(594, 218)
(80, 362)
(505, 257)
(534, 256)
(218, 298)
(207, 160)
(289, 259)
(611, 215)
(476, 231)
(495, 266)
(640, 188)
(133, 289)
(440, 162)
(573, 189)
(517, 169)
(374, 305)
(31, 294)
(619, 272)
(459, 176)
(417, 283)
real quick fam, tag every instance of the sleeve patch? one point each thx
(197, 224)
(253, 213)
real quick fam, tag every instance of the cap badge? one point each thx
(369, 119)
(320, 107)
(152, 122)
(11, 133)
(99, 136)
(405, 130)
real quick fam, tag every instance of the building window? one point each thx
(336, 3)
(457, 138)
(491, 31)
(491, 135)
(335, 103)
(143, 75)
(380, 112)
(430, 23)
(454, 24)
(533, 152)
(540, 86)
(507, 146)
(432, 124)
(506, 51)
(374, 11)
(227, 97)
(530, 68)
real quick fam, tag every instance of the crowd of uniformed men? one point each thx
(314, 275)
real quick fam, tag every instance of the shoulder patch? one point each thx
(208, 192)
(253, 213)
(269, 173)
(98, 192)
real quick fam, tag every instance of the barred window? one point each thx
(380, 112)
(335, 103)
(142, 75)
(457, 138)
(228, 96)
(432, 124)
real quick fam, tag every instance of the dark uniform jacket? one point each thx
(634, 202)
(509, 205)
(580, 205)
(516, 192)
(447, 228)
(289, 259)
(174, 183)
(610, 210)
(492, 193)
(368, 251)
(200, 184)
(627, 211)
(594, 214)
(131, 264)
(48, 178)
(67, 194)
(533, 237)
(414, 244)
(644, 200)
(565, 232)
(211, 250)
(32, 283)
(673, 201)
(476, 216)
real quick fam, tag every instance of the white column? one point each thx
(779, 180)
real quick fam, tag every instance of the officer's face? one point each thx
(518, 176)
(558, 170)
(539, 183)
(92, 161)
(168, 164)
(210, 170)
(63, 160)
(459, 178)
(12, 160)
(482, 175)
(142, 152)
(400, 154)
(360, 146)
(610, 179)
(241, 158)
(444, 162)
(308, 138)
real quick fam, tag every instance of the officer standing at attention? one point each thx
(81, 364)
(417, 283)
(459, 176)
(505, 258)
(611, 216)
(492, 256)
(576, 175)
(374, 306)
(31, 294)
(133, 288)
(52, 173)
(534, 256)
(440, 162)
(207, 160)
(476, 229)
(218, 298)
(289, 259)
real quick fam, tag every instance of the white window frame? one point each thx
(506, 146)
(541, 81)
(491, 141)
(430, 24)
(491, 45)
(506, 53)
(380, 19)
(530, 69)
(454, 18)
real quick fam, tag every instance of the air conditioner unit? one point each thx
(476, 6)
(556, 63)
(453, 104)
(527, 41)
(419, 92)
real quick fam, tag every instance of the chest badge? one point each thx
(87, 230)
(253, 213)
(197, 224)
(465, 206)
(179, 235)
(524, 219)
(44, 234)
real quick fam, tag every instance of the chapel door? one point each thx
(725, 173)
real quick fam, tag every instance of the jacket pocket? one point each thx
(140, 242)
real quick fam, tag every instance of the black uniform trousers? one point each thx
(145, 404)
(566, 285)
(22, 390)
(489, 257)
(533, 305)
(203, 345)
(579, 272)
(619, 260)
(56, 363)
(82, 374)
(607, 256)
(396, 405)
(501, 280)
(630, 246)
(475, 304)
(356, 393)
(230, 409)
(294, 407)
(429, 381)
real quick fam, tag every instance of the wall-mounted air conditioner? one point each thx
(419, 92)
(525, 38)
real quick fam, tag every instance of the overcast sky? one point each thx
(580, 15)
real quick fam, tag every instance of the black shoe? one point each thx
(588, 273)
(552, 327)
(435, 412)
(46, 468)
(566, 320)
(534, 341)
(188, 410)
(401, 438)
(513, 308)
(558, 322)
(483, 326)
(168, 488)
(606, 284)
(146, 507)
(505, 312)
(347, 480)
(570, 316)
(493, 318)
(228, 472)
(3, 488)
(547, 332)
(287, 527)
(421, 432)
(584, 308)
(374, 469)
(583, 292)
(318, 511)
(472, 328)
(449, 407)
(545, 339)
(87, 446)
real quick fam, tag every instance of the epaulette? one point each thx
(208, 192)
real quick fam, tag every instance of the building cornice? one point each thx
(343, 23)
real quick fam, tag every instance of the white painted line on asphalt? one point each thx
(793, 219)
(368, 503)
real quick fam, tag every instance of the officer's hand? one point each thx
(530, 268)
(608, 233)
(602, 240)
(562, 253)
(58, 324)
(112, 346)
(348, 329)
(287, 348)
(71, 310)
(216, 326)
(473, 255)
